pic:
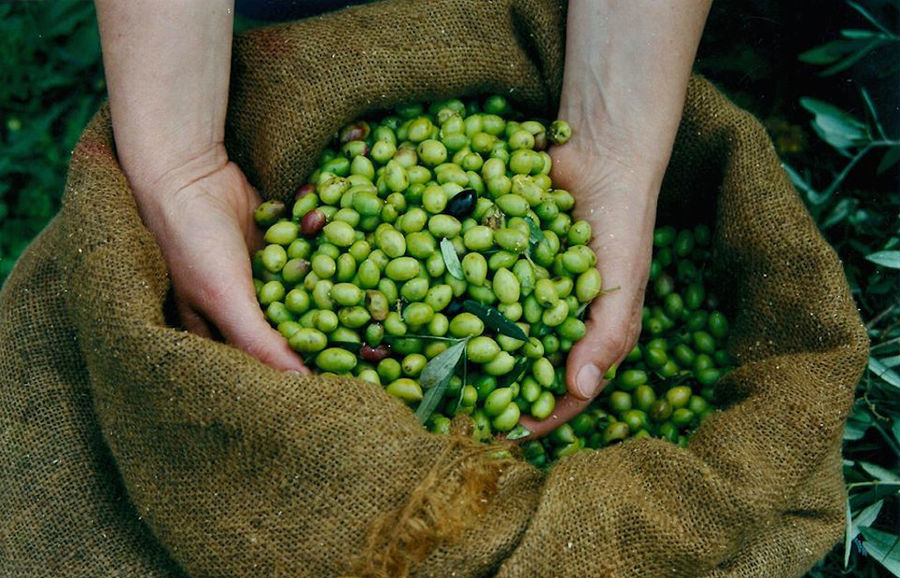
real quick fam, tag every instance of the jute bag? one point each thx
(130, 448)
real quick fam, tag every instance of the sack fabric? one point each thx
(131, 448)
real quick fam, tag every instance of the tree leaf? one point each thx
(435, 378)
(858, 424)
(854, 523)
(890, 259)
(535, 235)
(451, 259)
(891, 157)
(516, 374)
(853, 58)
(878, 472)
(518, 432)
(827, 53)
(803, 185)
(884, 547)
(834, 126)
(878, 491)
(853, 34)
(848, 531)
(840, 212)
(885, 373)
(494, 319)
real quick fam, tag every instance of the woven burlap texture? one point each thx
(131, 448)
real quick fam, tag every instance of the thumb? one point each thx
(610, 333)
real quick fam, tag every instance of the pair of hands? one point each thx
(203, 221)
(626, 70)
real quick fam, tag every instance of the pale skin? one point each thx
(167, 66)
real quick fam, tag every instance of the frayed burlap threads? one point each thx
(454, 493)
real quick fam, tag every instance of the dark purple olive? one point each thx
(312, 222)
(304, 190)
(461, 204)
(374, 354)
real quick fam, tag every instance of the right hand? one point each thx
(203, 222)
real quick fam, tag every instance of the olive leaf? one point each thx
(516, 374)
(535, 235)
(883, 547)
(836, 127)
(518, 432)
(451, 259)
(890, 259)
(352, 346)
(436, 377)
(494, 319)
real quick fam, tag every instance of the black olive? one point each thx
(461, 204)
(454, 308)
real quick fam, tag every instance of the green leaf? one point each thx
(516, 374)
(803, 185)
(840, 212)
(834, 126)
(535, 235)
(436, 377)
(848, 531)
(862, 520)
(884, 547)
(518, 432)
(853, 58)
(852, 34)
(867, 517)
(858, 423)
(494, 319)
(451, 259)
(878, 491)
(885, 373)
(891, 157)
(878, 472)
(890, 259)
(828, 53)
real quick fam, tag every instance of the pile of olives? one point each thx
(429, 253)
(665, 386)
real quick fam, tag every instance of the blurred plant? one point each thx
(871, 256)
(51, 82)
(853, 46)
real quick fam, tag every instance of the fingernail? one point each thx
(588, 380)
(292, 372)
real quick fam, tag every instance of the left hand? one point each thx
(619, 201)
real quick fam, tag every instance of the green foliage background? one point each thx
(51, 82)
(823, 77)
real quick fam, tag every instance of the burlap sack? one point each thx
(129, 448)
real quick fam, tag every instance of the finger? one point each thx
(191, 320)
(236, 313)
(610, 333)
(566, 408)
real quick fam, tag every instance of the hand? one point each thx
(614, 196)
(626, 73)
(206, 231)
